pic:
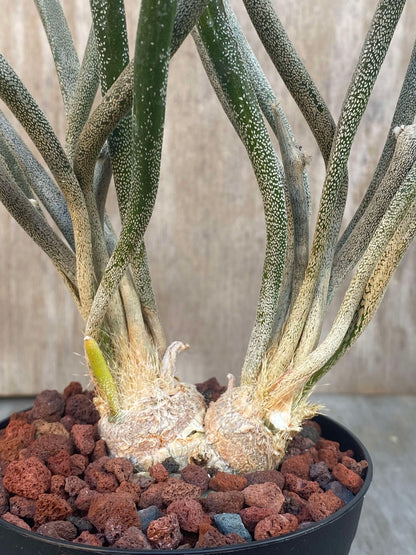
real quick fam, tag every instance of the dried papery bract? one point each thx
(147, 414)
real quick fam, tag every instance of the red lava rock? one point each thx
(315, 454)
(321, 505)
(211, 537)
(348, 453)
(4, 499)
(59, 529)
(348, 478)
(24, 416)
(20, 429)
(234, 538)
(189, 512)
(262, 476)
(98, 478)
(43, 428)
(121, 468)
(78, 464)
(165, 533)
(134, 490)
(223, 502)
(60, 463)
(177, 489)
(83, 501)
(304, 515)
(67, 422)
(87, 538)
(84, 436)
(73, 388)
(114, 529)
(47, 446)
(13, 519)
(73, 485)
(223, 481)
(50, 506)
(304, 488)
(196, 475)
(159, 472)
(264, 495)
(152, 496)
(298, 465)
(48, 405)
(10, 449)
(275, 525)
(80, 407)
(58, 485)
(328, 456)
(22, 507)
(352, 464)
(133, 538)
(293, 503)
(119, 506)
(251, 516)
(100, 450)
(323, 443)
(210, 389)
(27, 478)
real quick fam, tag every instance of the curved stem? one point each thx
(62, 47)
(372, 55)
(226, 69)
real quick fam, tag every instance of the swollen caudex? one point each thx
(161, 417)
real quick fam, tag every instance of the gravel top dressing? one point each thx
(57, 479)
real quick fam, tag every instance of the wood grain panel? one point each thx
(206, 239)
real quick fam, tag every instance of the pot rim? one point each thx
(236, 548)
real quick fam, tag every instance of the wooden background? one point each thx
(206, 239)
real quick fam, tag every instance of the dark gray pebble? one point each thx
(81, 524)
(341, 491)
(171, 465)
(147, 515)
(228, 523)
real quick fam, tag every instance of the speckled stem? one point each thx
(404, 114)
(102, 180)
(34, 224)
(372, 55)
(187, 14)
(230, 72)
(294, 165)
(62, 47)
(39, 181)
(300, 213)
(21, 103)
(150, 80)
(293, 72)
(374, 291)
(395, 214)
(111, 34)
(83, 96)
(12, 163)
(351, 251)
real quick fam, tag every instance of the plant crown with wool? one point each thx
(147, 414)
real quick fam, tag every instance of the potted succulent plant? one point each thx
(146, 414)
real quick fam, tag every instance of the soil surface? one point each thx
(57, 479)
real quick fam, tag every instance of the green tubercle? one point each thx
(102, 374)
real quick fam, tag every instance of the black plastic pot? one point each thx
(332, 536)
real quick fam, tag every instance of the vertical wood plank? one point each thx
(206, 239)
